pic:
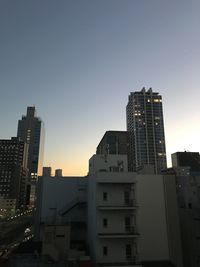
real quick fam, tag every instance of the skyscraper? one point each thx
(145, 127)
(31, 131)
(13, 171)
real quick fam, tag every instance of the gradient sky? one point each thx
(78, 60)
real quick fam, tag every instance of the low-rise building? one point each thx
(62, 201)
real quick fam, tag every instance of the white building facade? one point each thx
(112, 219)
(132, 218)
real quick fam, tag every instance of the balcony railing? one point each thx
(131, 229)
(127, 204)
(116, 207)
(118, 235)
(130, 202)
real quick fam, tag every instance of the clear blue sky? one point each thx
(77, 61)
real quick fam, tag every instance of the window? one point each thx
(105, 222)
(190, 205)
(127, 197)
(127, 223)
(128, 251)
(105, 196)
(105, 251)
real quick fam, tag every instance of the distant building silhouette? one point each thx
(13, 172)
(58, 173)
(189, 159)
(46, 171)
(31, 131)
(113, 142)
(145, 127)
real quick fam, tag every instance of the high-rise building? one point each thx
(113, 142)
(145, 127)
(31, 131)
(13, 171)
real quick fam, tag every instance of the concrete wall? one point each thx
(153, 243)
(92, 219)
(158, 220)
(55, 195)
(56, 241)
(174, 234)
(57, 192)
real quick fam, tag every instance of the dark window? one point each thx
(128, 250)
(60, 235)
(105, 222)
(105, 251)
(105, 196)
(127, 223)
(127, 197)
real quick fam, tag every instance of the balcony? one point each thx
(131, 229)
(117, 207)
(132, 258)
(131, 204)
(130, 234)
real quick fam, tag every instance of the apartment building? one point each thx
(132, 217)
(145, 127)
(112, 219)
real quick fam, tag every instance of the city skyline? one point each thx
(78, 61)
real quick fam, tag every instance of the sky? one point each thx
(78, 60)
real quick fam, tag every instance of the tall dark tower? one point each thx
(31, 131)
(145, 127)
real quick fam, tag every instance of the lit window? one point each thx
(161, 154)
(157, 100)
